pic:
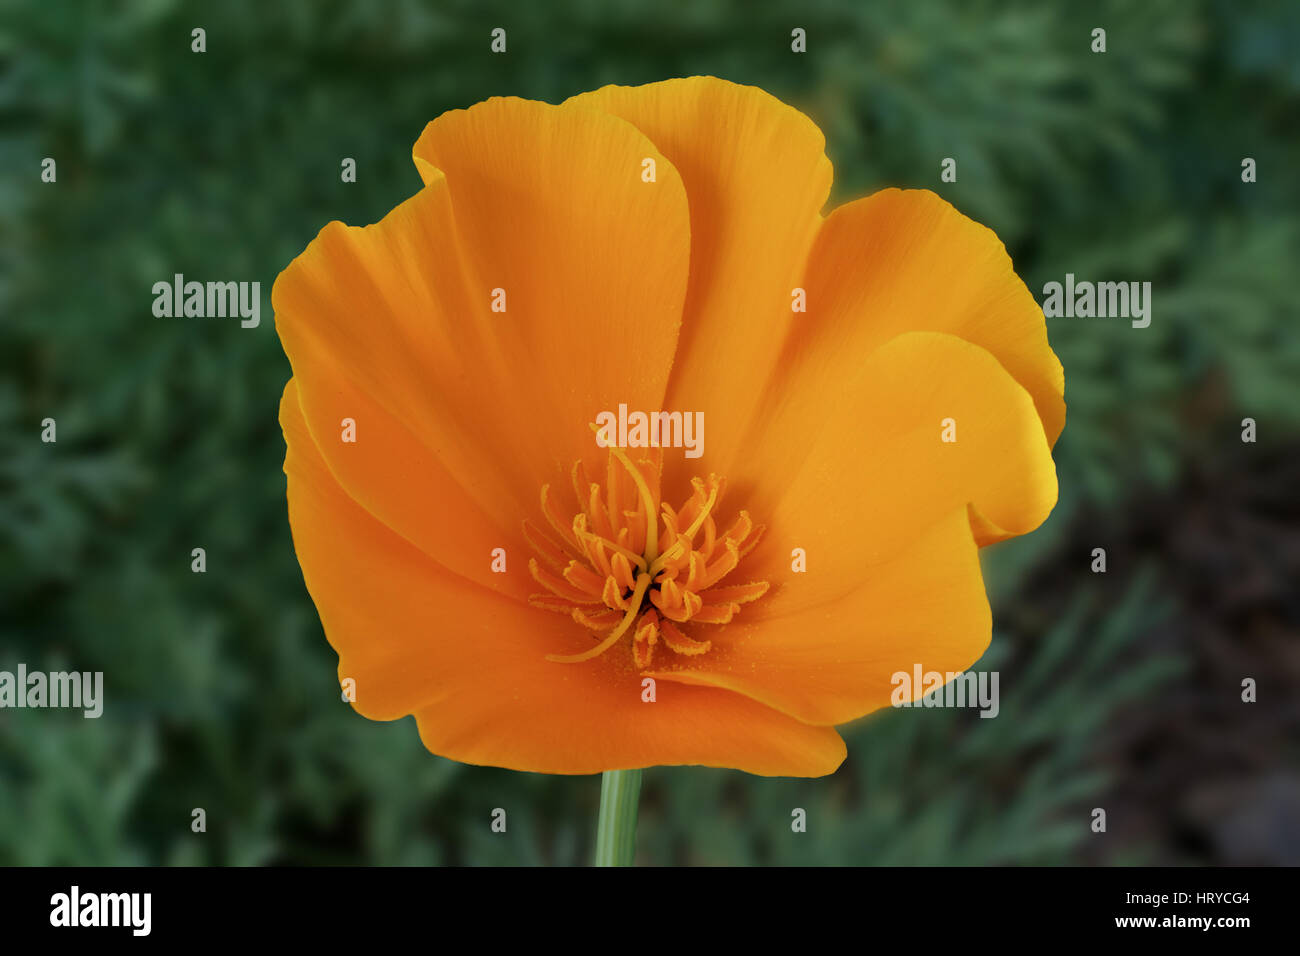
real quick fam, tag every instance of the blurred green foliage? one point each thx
(222, 691)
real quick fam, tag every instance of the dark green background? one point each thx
(1118, 690)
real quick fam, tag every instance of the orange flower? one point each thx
(646, 247)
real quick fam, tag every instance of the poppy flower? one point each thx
(879, 401)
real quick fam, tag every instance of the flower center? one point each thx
(628, 563)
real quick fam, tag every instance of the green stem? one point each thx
(616, 828)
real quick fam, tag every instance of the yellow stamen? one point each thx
(618, 548)
(634, 606)
(609, 572)
(652, 526)
(680, 544)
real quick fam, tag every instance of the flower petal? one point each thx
(470, 664)
(907, 261)
(871, 470)
(756, 176)
(402, 482)
(832, 661)
(901, 261)
(458, 407)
